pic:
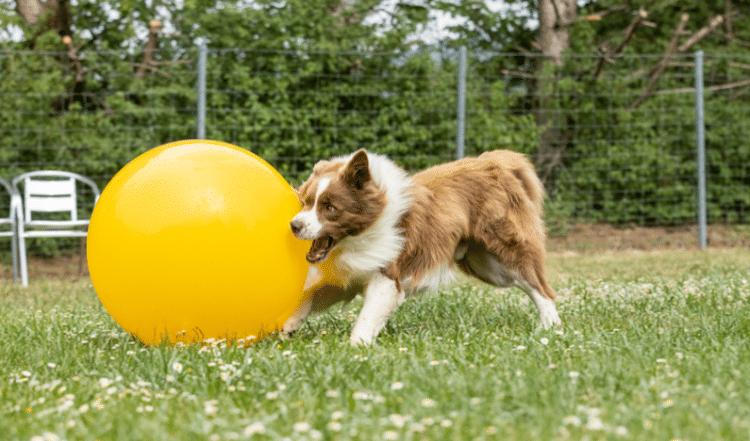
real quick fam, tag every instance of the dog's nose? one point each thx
(296, 226)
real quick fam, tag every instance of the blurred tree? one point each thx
(54, 15)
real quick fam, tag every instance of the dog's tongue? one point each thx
(319, 249)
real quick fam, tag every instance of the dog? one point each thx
(390, 235)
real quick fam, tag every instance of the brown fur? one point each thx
(482, 215)
(492, 203)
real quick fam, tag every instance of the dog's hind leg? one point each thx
(484, 265)
(546, 306)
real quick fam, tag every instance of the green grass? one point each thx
(654, 346)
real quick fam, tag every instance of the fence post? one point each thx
(461, 106)
(700, 136)
(201, 117)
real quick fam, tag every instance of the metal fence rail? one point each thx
(617, 144)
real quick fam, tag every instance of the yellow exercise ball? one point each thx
(190, 242)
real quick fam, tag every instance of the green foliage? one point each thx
(648, 173)
(312, 80)
(484, 30)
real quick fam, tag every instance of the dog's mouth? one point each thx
(320, 249)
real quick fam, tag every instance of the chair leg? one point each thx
(81, 256)
(22, 260)
(14, 252)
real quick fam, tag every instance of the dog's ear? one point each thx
(357, 171)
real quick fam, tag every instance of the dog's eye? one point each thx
(330, 207)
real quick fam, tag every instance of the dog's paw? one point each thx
(289, 329)
(550, 320)
(286, 335)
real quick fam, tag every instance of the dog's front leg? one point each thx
(293, 323)
(382, 297)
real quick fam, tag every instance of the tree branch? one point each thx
(528, 76)
(627, 35)
(147, 62)
(728, 18)
(735, 39)
(599, 15)
(701, 34)
(708, 89)
(658, 69)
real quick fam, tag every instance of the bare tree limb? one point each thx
(601, 14)
(701, 34)
(524, 51)
(627, 35)
(728, 86)
(147, 62)
(736, 40)
(728, 18)
(78, 91)
(528, 76)
(680, 64)
(718, 87)
(658, 69)
(630, 30)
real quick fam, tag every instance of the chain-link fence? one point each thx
(614, 140)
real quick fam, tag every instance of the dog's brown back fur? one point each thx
(490, 204)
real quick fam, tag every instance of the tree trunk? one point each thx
(555, 16)
(31, 11)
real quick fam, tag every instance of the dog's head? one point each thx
(340, 199)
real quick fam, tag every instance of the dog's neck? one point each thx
(375, 248)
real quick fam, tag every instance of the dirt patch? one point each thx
(70, 267)
(582, 238)
(592, 238)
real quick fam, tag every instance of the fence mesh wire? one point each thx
(613, 140)
(332, 104)
(602, 153)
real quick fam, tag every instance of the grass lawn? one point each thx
(654, 346)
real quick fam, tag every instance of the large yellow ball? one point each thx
(190, 241)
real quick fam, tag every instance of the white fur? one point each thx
(380, 244)
(445, 274)
(382, 297)
(490, 268)
(311, 225)
(547, 310)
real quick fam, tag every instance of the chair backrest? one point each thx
(11, 205)
(51, 191)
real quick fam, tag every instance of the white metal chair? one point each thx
(10, 222)
(49, 191)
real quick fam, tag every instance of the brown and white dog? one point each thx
(394, 234)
